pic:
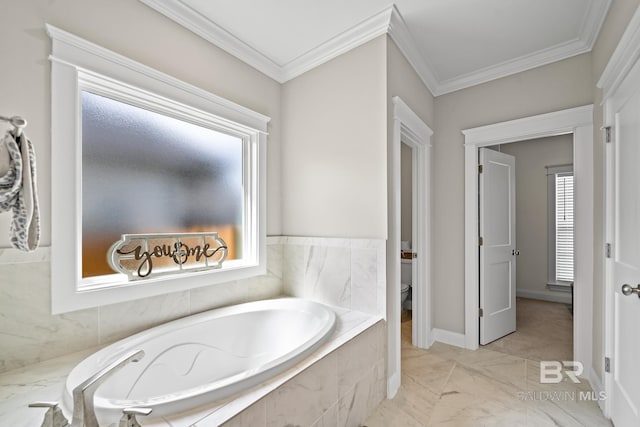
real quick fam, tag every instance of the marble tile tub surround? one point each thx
(349, 273)
(341, 389)
(338, 385)
(30, 334)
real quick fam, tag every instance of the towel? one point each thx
(18, 192)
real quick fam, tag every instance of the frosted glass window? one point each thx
(137, 151)
(145, 172)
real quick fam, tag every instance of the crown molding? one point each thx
(363, 32)
(215, 34)
(388, 21)
(189, 18)
(593, 21)
(400, 35)
(626, 55)
(514, 66)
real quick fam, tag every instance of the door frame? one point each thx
(614, 77)
(408, 128)
(579, 122)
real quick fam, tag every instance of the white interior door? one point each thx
(497, 249)
(625, 262)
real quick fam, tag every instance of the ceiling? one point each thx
(452, 44)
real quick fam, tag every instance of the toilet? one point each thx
(404, 292)
(405, 280)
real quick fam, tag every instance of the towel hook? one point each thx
(17, 122)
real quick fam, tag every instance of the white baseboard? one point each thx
(544, 296)
(447, 337)
(594, 379)
(596, 385)
(393, 385)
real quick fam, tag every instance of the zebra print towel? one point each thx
(18, 190)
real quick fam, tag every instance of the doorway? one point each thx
(579, 123)
(408, 129)
(528, 248)
(406, 242)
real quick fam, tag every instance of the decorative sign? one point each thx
(140, 256)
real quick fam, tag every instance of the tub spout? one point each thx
(129, 416)
(84, 414)
(54, 416)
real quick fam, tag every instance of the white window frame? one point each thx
(78, 65)
(552, 283)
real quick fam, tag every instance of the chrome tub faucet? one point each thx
(84, 414)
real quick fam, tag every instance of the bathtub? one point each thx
(205, 357)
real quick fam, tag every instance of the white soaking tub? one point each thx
(199, 359)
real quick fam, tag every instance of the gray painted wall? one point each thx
(334, 159)
(553, 87)
(532, 157)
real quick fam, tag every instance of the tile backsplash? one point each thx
(349, 273)
(345, 272)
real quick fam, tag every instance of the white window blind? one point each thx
(564, 226)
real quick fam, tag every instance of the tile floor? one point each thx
(453, 387)
(544, 332)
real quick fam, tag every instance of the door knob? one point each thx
(515, 252)
(628, 290)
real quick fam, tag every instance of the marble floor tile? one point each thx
(429, 370)
(544, 332)
(390, 414)
(415, 399)
(496, 385)
(499, 366)
(566, 413)
(470, 396)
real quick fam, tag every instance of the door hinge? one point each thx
(480, 241)
(607, 365)
(481, 313)
(480, 169)
(608, 250)
(607, 134)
